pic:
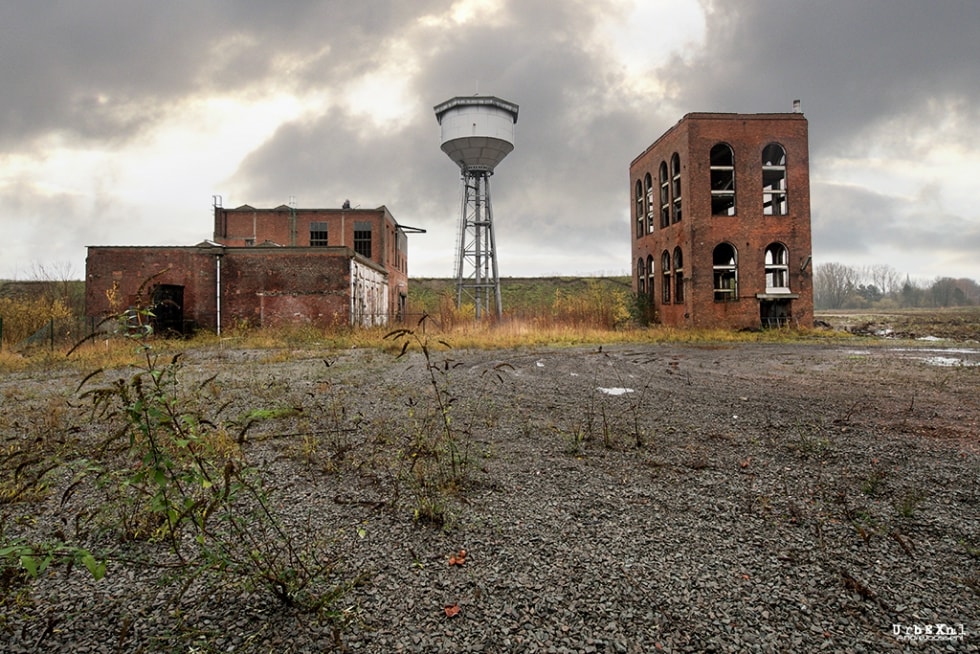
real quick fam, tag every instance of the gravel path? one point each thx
(640, 498)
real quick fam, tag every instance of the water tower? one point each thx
(477, 133)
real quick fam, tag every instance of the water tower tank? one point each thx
(477, 131)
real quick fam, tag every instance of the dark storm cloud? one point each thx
(854, 64)
(104, 69)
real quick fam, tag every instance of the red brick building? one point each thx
(265, 267)
(721, 222)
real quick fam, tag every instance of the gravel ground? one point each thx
(751, 497)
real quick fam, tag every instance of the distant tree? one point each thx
(870, 293)
(833, 284)
(911, 296)
(885, 278)
(944, 292)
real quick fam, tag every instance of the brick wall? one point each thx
(749, 231)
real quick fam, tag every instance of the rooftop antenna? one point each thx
(477, 133)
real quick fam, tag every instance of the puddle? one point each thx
(615, 391)
(943, 357)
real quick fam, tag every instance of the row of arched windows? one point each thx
(722, 176)
(670, 205)
(724, 270)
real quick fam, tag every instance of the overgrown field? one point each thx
(495, 489)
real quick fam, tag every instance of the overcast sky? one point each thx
(121, 119)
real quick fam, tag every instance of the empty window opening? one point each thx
(664, 196)
(650, 206)
(774, 180)
(362, 239)
(665, 270)
(722, 180)
(675, 186)
(678, 276)
(777, 269)
(650, 276)
(318, 234)
(641, 277)
(725, 266)
(639, 209)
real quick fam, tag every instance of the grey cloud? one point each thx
(104, 69)
(853, 64)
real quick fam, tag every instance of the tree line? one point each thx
(879, 286)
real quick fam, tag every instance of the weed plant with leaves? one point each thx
(172, 472)
(436, 458)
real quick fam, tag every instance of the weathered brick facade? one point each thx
(264, 267)
(721, 222)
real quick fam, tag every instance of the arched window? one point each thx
(678, 276)
(664, 196)
(650, 206)
(725, 265)
(777, 269)
(774, 180)
(650, 276)
(722, 180)
(665, 271)
(641, 277)
(639, 209)
(675, 186)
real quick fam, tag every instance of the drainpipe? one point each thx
(217, 292)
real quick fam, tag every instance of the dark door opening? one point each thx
(168, 309)
(775, 313)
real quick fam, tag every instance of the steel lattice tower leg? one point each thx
(477, 277)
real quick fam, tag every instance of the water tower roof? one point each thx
(470, 100)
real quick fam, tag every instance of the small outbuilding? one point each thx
(264, 267)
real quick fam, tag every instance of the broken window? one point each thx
(362, 238)
(639, 209)
(641, 277)
(318, 234)
(774, 180)
(648, 182)
(675, 186)
(725, 265)
(678, 276)
(664, 196)
(722, 180)
(650, 276)
(777, 269)
(665, 270)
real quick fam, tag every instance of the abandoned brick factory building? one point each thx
(264, 267)
(721, 222)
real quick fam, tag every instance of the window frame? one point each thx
(776, 268)
(775, 195)
(725, 275)
(319, 234)
(638, 208)
(678, 275)
(722, 180)
(363, 244)
(649, 219)
(676, 212)
(650, 276)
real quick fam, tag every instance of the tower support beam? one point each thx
(477, 275)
